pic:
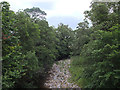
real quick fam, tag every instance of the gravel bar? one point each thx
(59, 74)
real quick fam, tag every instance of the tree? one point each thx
(97, 66)
(46, 48)
(29, 32)
(82, 34)
(12, 63)
(65, 37)
(103, 15)
(35, 13)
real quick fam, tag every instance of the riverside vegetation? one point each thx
(30, 47)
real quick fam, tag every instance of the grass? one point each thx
(76, 71)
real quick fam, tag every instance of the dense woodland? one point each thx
(30, 46)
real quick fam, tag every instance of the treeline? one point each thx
(97, 49)
(30, 46)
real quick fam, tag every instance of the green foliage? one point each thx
(30, 47)
(77, 71)
(81, 37)
(35, 9)
(105, 59)
(45, 47)
(12, 63)
(65, 38)
(32, 61)
(28, 31)
(100, 61)
(35, 13)
(98, 64)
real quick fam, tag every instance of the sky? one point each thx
(68, 12)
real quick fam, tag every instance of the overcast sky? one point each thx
(68, 12)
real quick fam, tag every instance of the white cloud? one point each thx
(69, 8)
(60, 8)
(18, 4)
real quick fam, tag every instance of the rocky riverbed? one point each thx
(59, 75)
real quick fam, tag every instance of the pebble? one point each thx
(59, 74)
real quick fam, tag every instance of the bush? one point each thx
(98, 65)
